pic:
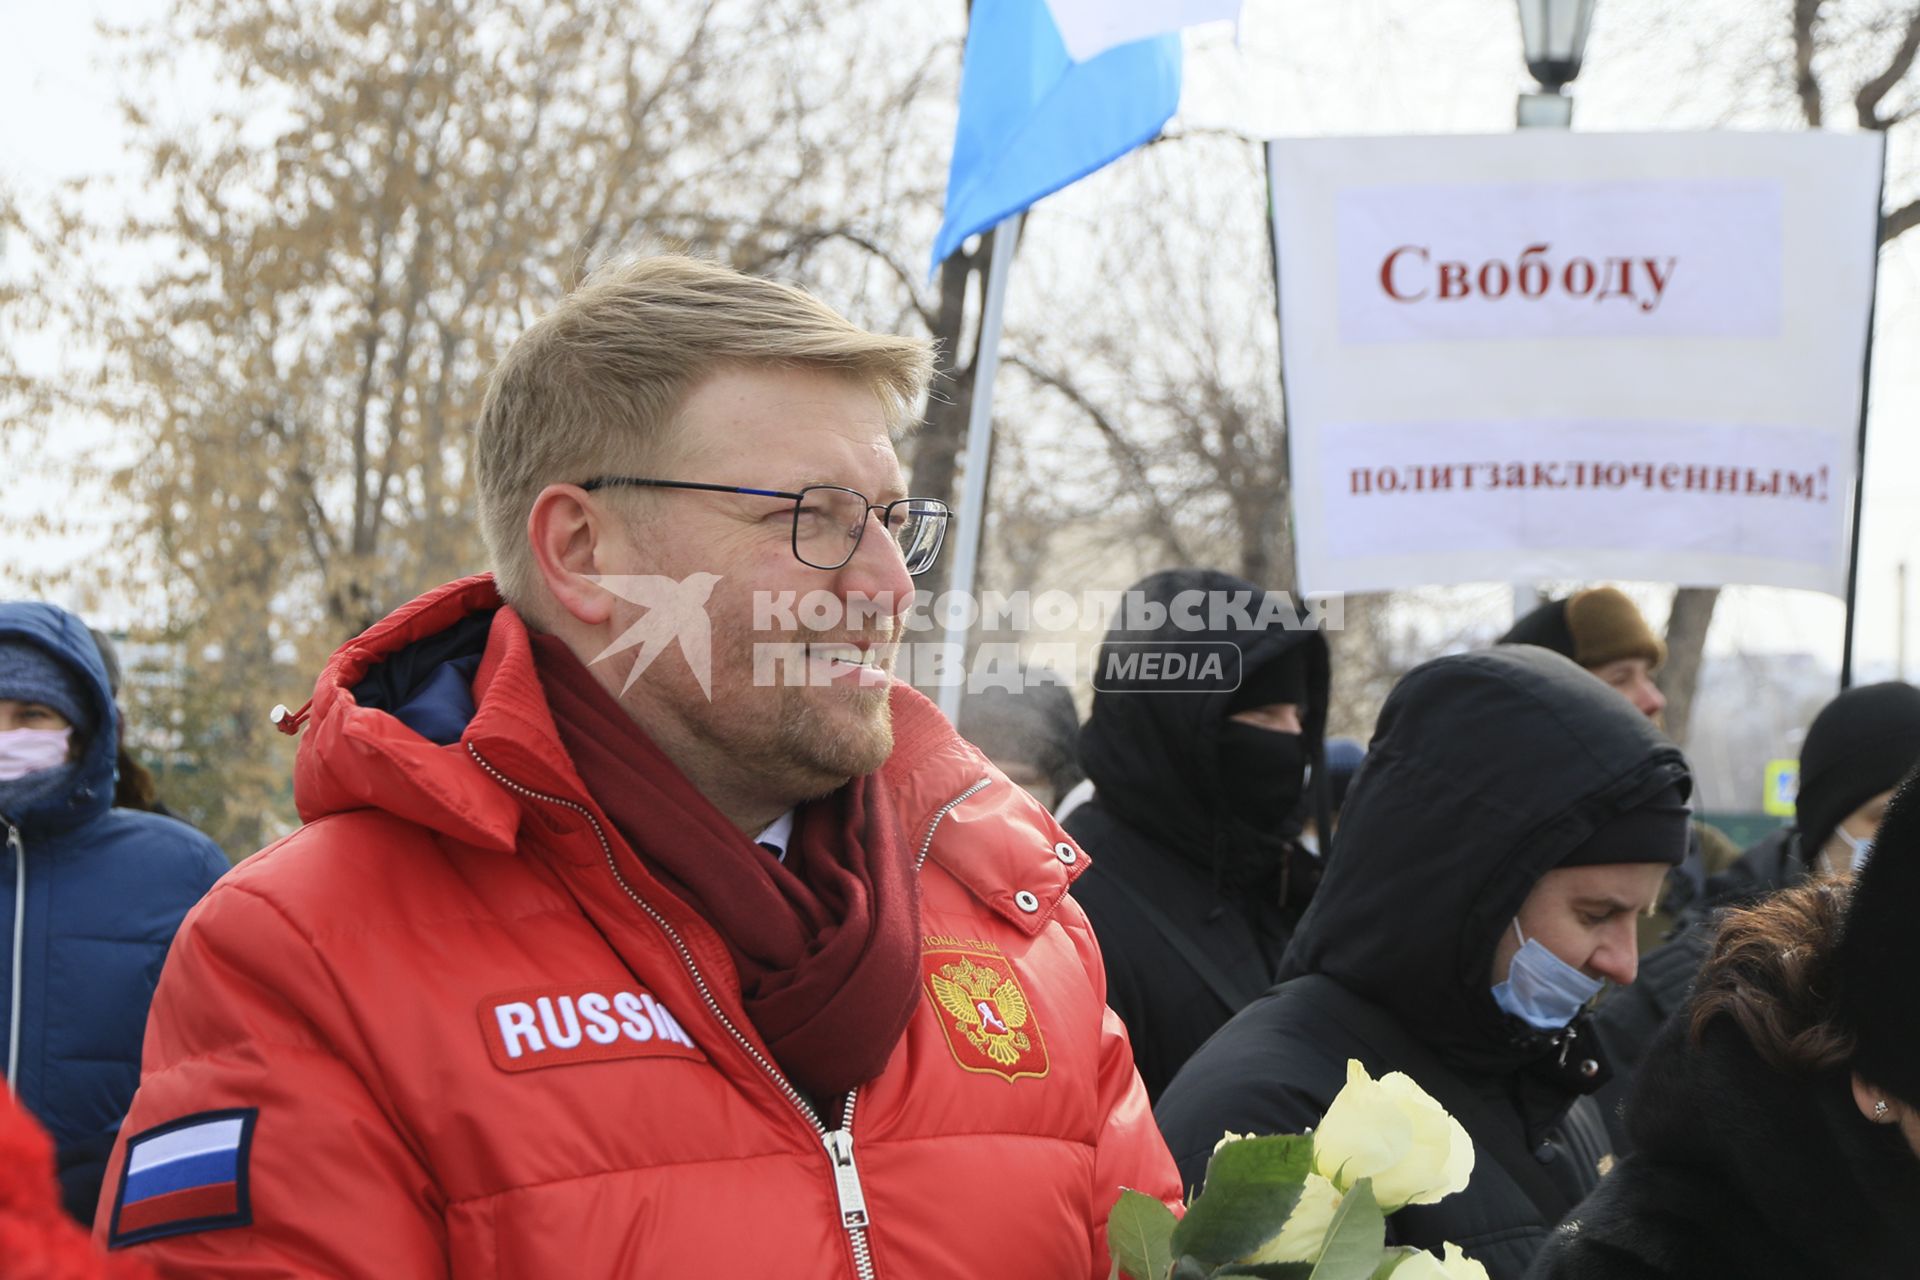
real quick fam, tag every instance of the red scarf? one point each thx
(826, 943)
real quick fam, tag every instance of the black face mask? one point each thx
(1262, 775)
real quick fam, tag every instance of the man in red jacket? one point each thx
(641, 925)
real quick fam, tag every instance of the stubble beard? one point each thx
(824, 735)
(828, 748)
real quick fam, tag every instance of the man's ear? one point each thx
(565, 533)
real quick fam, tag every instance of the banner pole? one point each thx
(973, 496)
(1860, 443)
(1280, 347)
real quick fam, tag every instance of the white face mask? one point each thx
(1862, 849)
(25, 751)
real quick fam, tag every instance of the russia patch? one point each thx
(553, 1026)
(186, 1175)
(990, 1024)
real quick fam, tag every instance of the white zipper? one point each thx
(19, 849)
(837, 1143)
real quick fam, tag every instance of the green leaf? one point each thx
(1392, 1261)
(1355, 1237)
(1191, 1269)
(1252, 1185)
(1139, 1235)
(1267, 1270)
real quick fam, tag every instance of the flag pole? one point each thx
(973, 494)
(1860, 440)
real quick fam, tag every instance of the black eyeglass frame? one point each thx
(945, 514)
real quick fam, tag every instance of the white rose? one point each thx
(1229, 1136)
(1455, 1266)
(1306, 1230)
(1390, 1130)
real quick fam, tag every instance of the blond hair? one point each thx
(594, 384)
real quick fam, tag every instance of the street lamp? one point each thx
(1554, 35)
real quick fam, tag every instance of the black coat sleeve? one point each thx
(1568, 1256)
(1259, 1075)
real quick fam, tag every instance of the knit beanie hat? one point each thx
(1653, 831)
(1879, 953)
(1861, 743)
(29, 673)
(1593, 627)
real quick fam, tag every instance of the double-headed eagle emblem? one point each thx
(987, 1006)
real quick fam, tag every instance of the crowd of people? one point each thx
(591, 961)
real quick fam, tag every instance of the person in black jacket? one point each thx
(1777, 1124)
(1856, 750)
(1512, 819)
(1197, 875)
(1604, 631)
(1858, 747)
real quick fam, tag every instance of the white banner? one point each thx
(1559, 355)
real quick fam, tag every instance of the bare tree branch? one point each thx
(1806, 14)
(1900, 221)
(1123, 450)
(1866, 103)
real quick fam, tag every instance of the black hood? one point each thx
(1151, 755)
(1486, 769)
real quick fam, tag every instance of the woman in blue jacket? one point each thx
(90, 895)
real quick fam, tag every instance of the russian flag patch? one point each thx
(186, 1175)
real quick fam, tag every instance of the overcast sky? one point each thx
(1299, 67)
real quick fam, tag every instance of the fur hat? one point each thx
(1861, 743)
(1593, 627)
(1879, 953)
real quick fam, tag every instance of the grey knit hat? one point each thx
(29, 673)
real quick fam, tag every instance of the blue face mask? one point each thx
(1541, 989)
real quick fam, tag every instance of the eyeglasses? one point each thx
(828, 521)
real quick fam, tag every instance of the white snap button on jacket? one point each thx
(1066, 853)
(1026, 901)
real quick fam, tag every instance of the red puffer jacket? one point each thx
(452, 1027)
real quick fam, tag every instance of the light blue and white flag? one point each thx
(1052, 90)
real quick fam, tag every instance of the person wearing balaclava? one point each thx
(1197, 874)
(90, 895)
(1512, 819)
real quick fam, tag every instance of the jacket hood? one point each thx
(88, 789)
(1151, 754)
(1486, 769)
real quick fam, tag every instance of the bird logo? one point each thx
(676, 610)
(984, 1003)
